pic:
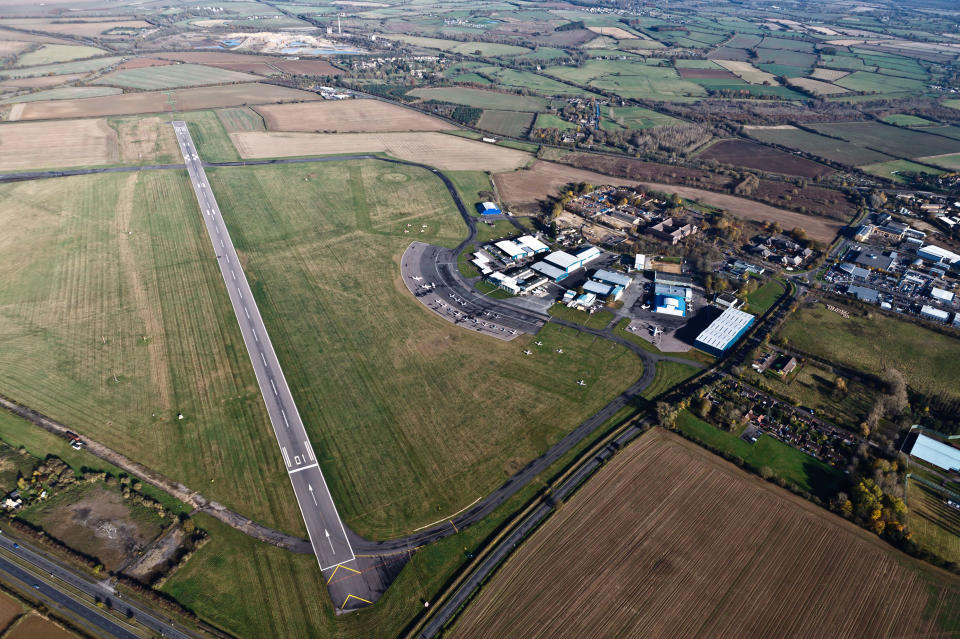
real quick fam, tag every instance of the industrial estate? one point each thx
(523, 318)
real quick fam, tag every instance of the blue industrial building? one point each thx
(724, 331)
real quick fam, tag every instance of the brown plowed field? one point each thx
(41, 145)
(669, 540)
(448, 152)
(707, 73)
(761, 157)
(348, 116)
(545, 178)
(159, 101)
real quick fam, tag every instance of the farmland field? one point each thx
(481, 99)
(669, 374)
(891, 139)
(155, 102)
(926, 358)
(829, 148)
(629, 79)
(756, 156)
(40, 82)
(438, 149)
(692, 547)
(35, 145)
(53, 53)
(511, 123)
(816, 87)
(33, 626)
(89, 29)
(146, 140)
(747, 71)
(412, 389)
(905, 119)
(348, 116)
(62, 68)
(894, 168)
(935, 525)
(548, 120)
(172, 76)
(950, 161)
(63, 93)
(115, 318)
(639, 117)
(877, 83)
(489, 49)
(241, 119)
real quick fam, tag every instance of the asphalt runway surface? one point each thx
(328, 536)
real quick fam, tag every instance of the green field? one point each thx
(829, 148)
(115, 319)
(210, 136)
(764, 297)
(549, 121)
(935, 525)
(53, 53)
(80, 66)
(598, 320)
(926, 358)
(640, 118)
(173, 76)
(950, 162)
(511, 123)
(893, 140)
(240, 119)
(669, 374)
(323, 263)
(878, 83)
(895, 168)
(63, 93)
(532, 81)
(794, 466)
(481, 99)
(473, 187)
(905, 119)
(630, 79)
(486, 49)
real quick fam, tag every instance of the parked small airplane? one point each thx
(580, 382)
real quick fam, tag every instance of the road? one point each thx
(328, 536)
(57, 585)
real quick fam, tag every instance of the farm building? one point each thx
(549, 270)
(489, 208)
(511, 249)
(671, 300)
(938, 254)
(612, 278)
(724, 331)
(935, 314)
(532, 244)
(937, 453)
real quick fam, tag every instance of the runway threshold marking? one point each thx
(338, 567)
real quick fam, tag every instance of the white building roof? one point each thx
(598, 288)
(478, 256)
(563, 259)
(639, 262)
(941, 294)
(490, 206)
(551, 271)
(725, 329)
(511, 248)
(611, 277)
(937, 453)
(939, 252)
(532, 243)
(930, 311)
(589, 253)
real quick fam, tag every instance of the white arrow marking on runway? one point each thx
(315, 502)
(327, 533)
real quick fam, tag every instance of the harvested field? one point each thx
(20, 36)
(448, 152)
(40, 82)
(894, 140)
(172, 76)
(819, 145)
(614, 32)
(747, 72)
(545, 178)
(816, 87)
(33, 626)
(63, 93)
(53, 53)
(756, 156)
(260, 64)
(60, 144)
(61, 68)
(348, 116)
(481, 99)
(156, 102)
(692, 546)
(10, 609)
(12, 47)
(828, 75)
(711, 74)
(240, 119)
(91, 29)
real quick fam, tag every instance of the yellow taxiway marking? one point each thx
(454, 525)
(354, 597)
(339, 566)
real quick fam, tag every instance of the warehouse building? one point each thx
(512, 250)
(533, 245)
(724, 331)
(937, 453)
(935, 314)
(672, 279)
(608, 292)
(864, 294)
(671, 300)
(612, 278)
(639, 262)
(571, 262)
(550, 271)
(489, 208)
(938, 254)
(941, 294)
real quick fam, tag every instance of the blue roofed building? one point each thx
(489, 208)
(671, 300)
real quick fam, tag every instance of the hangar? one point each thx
(489, 208)
(571, 262)
(724, 331)
(612, 278)
(512, 250)
(671, 300)
(532, 244)
(549, 270)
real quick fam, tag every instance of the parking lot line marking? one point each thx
(297, 470)
(349, 597)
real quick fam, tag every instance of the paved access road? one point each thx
(328, 537)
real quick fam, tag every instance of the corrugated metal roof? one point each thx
(549, 270)
(611, 277)
(726, 328)
(563, 259)
(937, 453)
(532, 243)
(597, 287)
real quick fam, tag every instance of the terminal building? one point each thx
(724, 331)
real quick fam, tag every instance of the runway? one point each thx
(328, 536)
